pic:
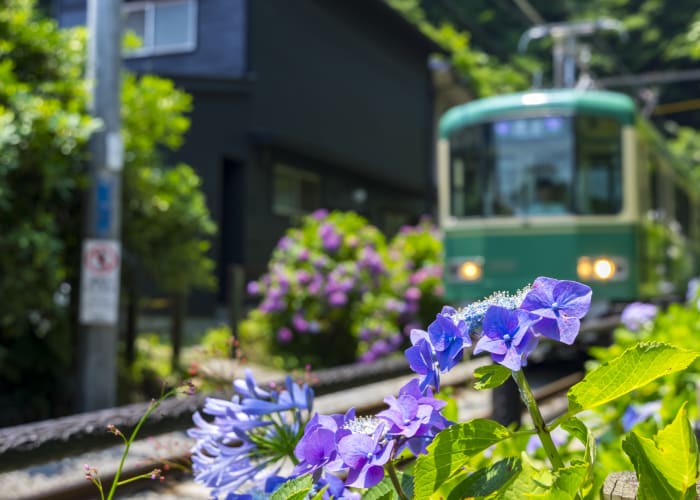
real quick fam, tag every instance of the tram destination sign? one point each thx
(99, 284)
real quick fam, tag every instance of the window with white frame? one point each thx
(162, 26)
(295, 191)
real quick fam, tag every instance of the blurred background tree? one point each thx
(44, 129)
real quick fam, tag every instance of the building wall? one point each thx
(339, 88)
(329, 74)
(221, 49)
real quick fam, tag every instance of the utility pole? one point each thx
(101, 250)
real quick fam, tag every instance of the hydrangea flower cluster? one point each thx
(359, 447)
(335, 282)
(509, 327)
(638, 314)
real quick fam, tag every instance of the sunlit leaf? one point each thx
(451, 450)
(490, 376)
(635, 368)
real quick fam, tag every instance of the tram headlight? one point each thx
(601, 268)
(469, 269)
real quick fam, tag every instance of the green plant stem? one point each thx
(132, 436)
(531, 405)
(147, 475)
(395, 479)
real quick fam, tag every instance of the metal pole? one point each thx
(101, 262)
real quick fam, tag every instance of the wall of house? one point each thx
(329, 73)
(335, 87)
(221, 49)
(347, 96)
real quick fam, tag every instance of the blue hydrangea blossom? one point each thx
(507, 335)
(561, 304)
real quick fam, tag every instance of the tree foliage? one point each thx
(44, 131)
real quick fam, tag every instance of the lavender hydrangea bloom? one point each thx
(358, 445)
(561, 304)
(507, 335)
(449, 339)
(317, 447)
(365, 450)
(330, 238)
(423, 360)
(638, 314)
(414, 417)
(336, 489)
(637, 413)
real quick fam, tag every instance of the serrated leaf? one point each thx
(485, 481)
(490, 376)
(667, 466)
(634, 368)
(450, 451)
(294, 489)
(385, 489)
(567, 482)
(529, 482)
(578, 429)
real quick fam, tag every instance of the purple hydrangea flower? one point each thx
(317, 447)
(638, 314)
(636, 413)
(284, 335)
(336, 443)
(412, 293)
(320, 214)
(364, 449)
(330, 238)
(336, 489)
(414, 416)
(253, 288)
(337, 299)
(449, 339)
(299, 323)
(507, 335)
(422, 359)
(561, 304)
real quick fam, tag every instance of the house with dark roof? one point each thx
(298, 105)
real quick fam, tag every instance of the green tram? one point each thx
(563, 183)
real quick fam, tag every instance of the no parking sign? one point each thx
(99, 284)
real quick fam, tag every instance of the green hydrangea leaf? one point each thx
(567, 482)
(484, 481)
(634, 368)
(578, 429)
(667, 465)
(295, 489)
(490, 376)
(531, 481)
(385, 489)
(450, 451)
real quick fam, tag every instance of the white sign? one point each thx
(99, 283)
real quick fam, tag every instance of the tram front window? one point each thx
(536, 166)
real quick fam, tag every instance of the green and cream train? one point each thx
(562, 183)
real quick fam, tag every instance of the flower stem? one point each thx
(395, 480)
(151, 408)
(531, 405)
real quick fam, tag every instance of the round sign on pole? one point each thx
(99, 284)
